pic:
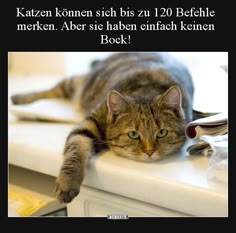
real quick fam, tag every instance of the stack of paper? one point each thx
(215, 125)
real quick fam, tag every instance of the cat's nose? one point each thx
(149, 152)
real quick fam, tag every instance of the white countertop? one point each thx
(178, 182)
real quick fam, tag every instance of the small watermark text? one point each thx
(117, 216)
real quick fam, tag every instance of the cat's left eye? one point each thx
(162, 133)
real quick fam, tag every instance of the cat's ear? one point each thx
(172, 98)
(116, 103)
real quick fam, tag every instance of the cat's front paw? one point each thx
(66, 188)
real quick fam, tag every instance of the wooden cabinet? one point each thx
(97, 203)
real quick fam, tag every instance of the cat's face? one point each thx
(145, 131)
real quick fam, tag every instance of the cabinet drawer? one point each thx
(97, 203)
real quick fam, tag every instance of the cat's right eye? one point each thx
(133, 135)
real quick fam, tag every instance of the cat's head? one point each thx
(145, 131)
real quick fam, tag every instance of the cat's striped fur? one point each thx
(147, 95)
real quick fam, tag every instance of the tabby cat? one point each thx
(136, 104)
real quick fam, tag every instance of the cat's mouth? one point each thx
(147, 158)
(140, 157)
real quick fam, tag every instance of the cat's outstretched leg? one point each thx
(31, 97)
(81, 143)
(64, 89)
